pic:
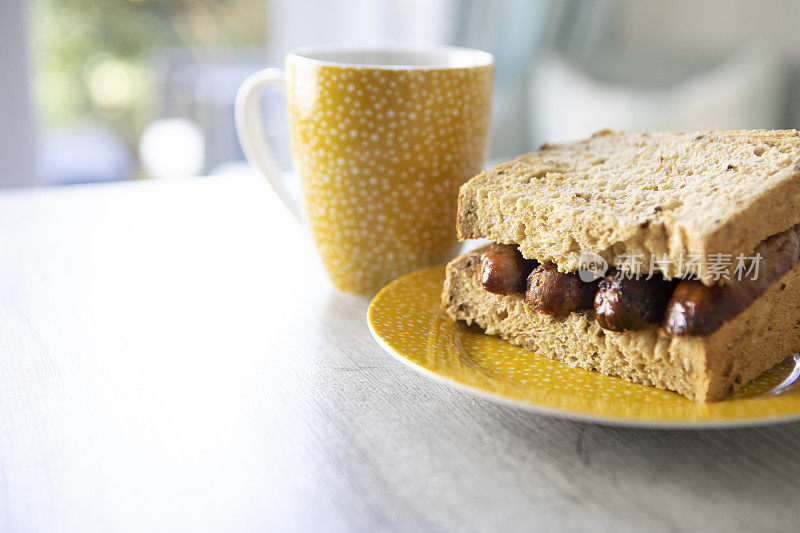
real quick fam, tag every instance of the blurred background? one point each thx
(109, 90)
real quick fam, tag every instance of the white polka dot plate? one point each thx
(405, 319)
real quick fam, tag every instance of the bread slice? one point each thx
(703, 369)
(670, 194)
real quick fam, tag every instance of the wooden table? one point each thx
(175, 359)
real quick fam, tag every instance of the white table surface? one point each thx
(173, 358)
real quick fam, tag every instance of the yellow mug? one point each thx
(381, 139)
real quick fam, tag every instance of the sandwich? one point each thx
(666, 259)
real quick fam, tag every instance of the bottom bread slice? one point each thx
(703, 369)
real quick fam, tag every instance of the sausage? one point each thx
(696, 309)
(503, 270)
(557, 293)
(624, 303)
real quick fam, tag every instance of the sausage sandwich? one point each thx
(671, 260)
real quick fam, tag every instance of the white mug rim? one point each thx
(471, 57)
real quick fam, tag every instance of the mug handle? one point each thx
(251, 133)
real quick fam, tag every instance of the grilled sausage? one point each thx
(624, 303)
(696, 309)
(557, 293)
(503, 270)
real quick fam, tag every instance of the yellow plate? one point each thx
(405, 319)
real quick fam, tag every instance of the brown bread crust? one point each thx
(702, 369)
(640, 193)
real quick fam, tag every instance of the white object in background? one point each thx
(16, 126)
(172, 148)
(740, 93)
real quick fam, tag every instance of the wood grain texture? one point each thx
(173, 358)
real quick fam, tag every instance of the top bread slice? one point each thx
(618, 194)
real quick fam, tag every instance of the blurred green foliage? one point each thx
(91, 57)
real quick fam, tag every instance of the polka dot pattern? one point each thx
(406, 318)
(381, 154)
